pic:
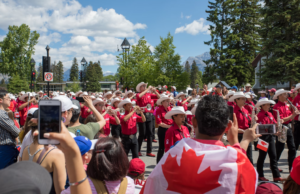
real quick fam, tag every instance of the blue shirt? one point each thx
(175, 93)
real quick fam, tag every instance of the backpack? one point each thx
(101, 188)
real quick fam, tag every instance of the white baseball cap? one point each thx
(66, 103)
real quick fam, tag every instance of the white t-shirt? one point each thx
(26, 142)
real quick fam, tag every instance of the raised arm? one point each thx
(100, 120)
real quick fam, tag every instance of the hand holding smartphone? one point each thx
(49, 120)
(266, 129)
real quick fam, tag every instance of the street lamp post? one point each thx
(125, 47)
(83, 70)
(48, 60)
(32, 63)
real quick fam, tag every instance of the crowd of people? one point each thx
(205, 139)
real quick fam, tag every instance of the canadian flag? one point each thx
(192, 167)
(262, 145)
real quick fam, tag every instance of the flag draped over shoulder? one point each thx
(192, 167)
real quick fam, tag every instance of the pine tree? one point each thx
(60, 72)
(93, 83)
(16, 84)
(187, 67)
(40, 73)
(199, 80)
(194, 74)
(280, 41)
(74, 74)
(53, 69)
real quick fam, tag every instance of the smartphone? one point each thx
(230, 113)
(80, 99)
(266, 129)
(49, 120)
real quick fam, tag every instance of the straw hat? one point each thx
(278, 92)
(107, 93)
(180, 94)
(162, 98)
(139, 85)
(123, 102)
(128, 92)
(264, 101)
(117, 91)
(175, 110)
(248, 85)
(98, 100)
(237, 95)
(115, 100)
(230, 93)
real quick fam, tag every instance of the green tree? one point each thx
(75, 86)
(17, 49)
(167, 68)
(280, 41)
(109, 78)
(60, 72)
(199, 80)
(74, 70)
(235, 40)
(94, 75)
(53, 69)
(40, 73)
(194, 74)
(17, 84)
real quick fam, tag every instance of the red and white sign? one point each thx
(48, 77)
(262, 145)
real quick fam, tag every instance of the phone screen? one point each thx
(266, 129)
(49, 119)
(230, 112)
(80, 99)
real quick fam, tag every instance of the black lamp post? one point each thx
(48, 61)
(32, 63)
(125, 47)
(83, 70)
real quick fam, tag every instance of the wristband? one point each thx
(77, 183)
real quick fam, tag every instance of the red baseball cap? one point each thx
(136, 167)
(295, 171)
(272, 90)
(268, 188)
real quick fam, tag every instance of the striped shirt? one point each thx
(8, 130)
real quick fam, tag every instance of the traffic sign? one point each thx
(48, 77)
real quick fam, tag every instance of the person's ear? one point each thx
(195, 124)
(85, 156)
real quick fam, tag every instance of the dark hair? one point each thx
(109, 161)
(290, 186)
(90, 119)
(10, 114)
(3, 92)
(212, 115)
(75, 116)
(174, 116)
(26, 127)
(33, 127)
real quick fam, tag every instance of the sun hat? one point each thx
(31, 111)
(117, 91)
(128, 92)
(41, 92)
(123, 102)
(248, 85)
(278, 92)
(237, 95)
(272, 90)
(98, 100)
(264, 101)
(83, 143)
(162, 98)
(22, 98)
(297, 87)
(139, 85)
(173, 87)
(188, 112)
(83, 94)
(262, 92)
(25, 177)
(230, 93)
(174, 111)
(193, 101)
(136, 167)
(180, 94)
(115, 100)
(92, 97)
(107, 93)
(295, 175)
(78, 93)
(66, 103)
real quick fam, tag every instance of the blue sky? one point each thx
(93, 28)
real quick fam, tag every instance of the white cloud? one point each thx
(188, 16)
(194, 28)
(94, 34)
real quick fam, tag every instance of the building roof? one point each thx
(222, 83)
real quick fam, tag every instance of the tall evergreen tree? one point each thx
(60, 72)
(93, 77)
(194, 74)
(74, 74)
(280, 41)
(17, 84)
(187, 67)
(40, 73)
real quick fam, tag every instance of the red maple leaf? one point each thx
(185, 178)
(263, 143)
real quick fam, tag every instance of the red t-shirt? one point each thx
(243, 117)
(106, 127)
(231, 104)
(112, 119)
(160, 115)
(175, 134)
(84, 112)
(144, 100)
(284, 111)
(129, 127)
(189, 119)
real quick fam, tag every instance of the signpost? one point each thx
(48, 77)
